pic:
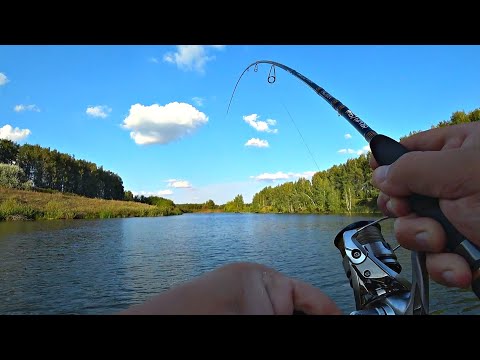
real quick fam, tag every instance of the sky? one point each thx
(156, 115)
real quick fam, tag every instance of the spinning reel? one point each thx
(374, 273)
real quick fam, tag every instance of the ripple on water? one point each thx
(104, 266)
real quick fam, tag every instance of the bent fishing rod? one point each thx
(385, 151)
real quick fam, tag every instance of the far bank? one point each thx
(18, 204)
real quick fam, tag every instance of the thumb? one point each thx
(447, 174)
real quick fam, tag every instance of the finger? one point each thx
(382, 200)
(393, 207)
(464, 214)
(419, 233)
(287, 295)
(311, 300)
(373, 163)
(449, 269)
(438, 138)
(398, 206)
(446, 174)
(279, 289)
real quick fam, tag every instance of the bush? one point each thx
(12, 176)
(11, 209)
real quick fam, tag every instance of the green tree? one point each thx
(210, 205)
(12, 176)
(320, 184)
(128, 196)
(236, 205)
(460, 117)
(8, 151)
(474, 115)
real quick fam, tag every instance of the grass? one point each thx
(32, 205)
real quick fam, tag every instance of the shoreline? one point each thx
(27, 205)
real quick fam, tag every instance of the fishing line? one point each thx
(301, 136)
(272, 77)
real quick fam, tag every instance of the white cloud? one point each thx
(21, 107)
(183, 184)
(280, 175)
(173, 183)
(262, 126)
(156, 124)
(191, 57)
(3, 79)
(271, 177)
(153, 60)
(153, 193)
(198, 100)
(14, 134)
(220, 193)
(101, 111)
(257, 143)
(348, 136)
(346, 151)
(307, 174)
(363, 150)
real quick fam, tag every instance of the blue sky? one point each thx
(156, 115)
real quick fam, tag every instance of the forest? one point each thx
(33, 166)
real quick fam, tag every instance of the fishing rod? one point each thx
(353, 119)
(385, 151)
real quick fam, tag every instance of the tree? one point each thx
(8, 151)
(210, 205)
(128, 196)
(474, 115)
(459, 117)
(236, 205)
(12, 176)
(320, 184)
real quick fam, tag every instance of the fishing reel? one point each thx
(374, 273)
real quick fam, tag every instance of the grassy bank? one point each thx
(32, 205)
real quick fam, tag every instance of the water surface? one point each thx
(104, 266)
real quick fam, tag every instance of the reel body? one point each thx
(374, 273)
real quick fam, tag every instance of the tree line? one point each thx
(167, 205)
(344, 188)
(206, 206)
(43, 168)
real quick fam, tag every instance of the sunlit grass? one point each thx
(31, 205)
